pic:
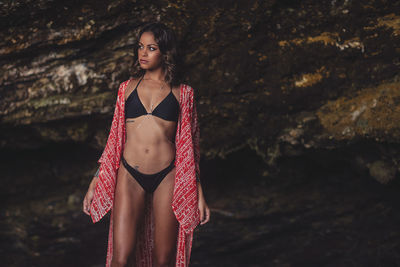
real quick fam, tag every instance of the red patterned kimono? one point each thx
(185, 198)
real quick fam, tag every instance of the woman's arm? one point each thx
(111, 146)
(203, 207)
(196, 141)
(89, 194)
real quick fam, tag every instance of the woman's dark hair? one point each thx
(167, 43)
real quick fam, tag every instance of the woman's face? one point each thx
(149, 53)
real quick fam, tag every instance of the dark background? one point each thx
(299, 109)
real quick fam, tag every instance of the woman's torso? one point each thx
(149, 144)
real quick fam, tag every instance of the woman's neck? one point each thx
(155, 75)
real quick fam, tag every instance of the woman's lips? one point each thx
(143, 61)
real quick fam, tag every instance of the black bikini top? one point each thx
(168, 109)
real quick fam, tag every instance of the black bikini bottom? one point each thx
(149, 182)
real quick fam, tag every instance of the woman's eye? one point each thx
(141, 47)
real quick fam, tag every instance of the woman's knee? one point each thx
(164, 260)
(119, 260)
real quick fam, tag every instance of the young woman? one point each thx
(149, 170)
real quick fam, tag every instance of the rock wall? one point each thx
(282, 77)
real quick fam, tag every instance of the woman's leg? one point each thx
(127, 215)
(165, 223)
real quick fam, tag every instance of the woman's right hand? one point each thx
(89, 196)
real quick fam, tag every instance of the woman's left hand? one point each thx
(203, 208)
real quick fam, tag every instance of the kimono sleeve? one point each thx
(110, 145)
(196, 140)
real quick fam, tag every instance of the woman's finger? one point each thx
(207, 215)
(201, 214)
(85, 206)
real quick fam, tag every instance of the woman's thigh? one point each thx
(128, 212)
(165, 223)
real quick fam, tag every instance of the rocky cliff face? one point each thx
(282, 77)
(313, 87)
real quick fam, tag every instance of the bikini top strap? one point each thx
(139, 82)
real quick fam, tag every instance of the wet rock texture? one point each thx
(268, 74)
(296, 82)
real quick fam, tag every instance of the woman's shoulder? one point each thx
(126, 82)
(122, 88)
(186, 88)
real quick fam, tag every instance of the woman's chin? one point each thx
(150, 68)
